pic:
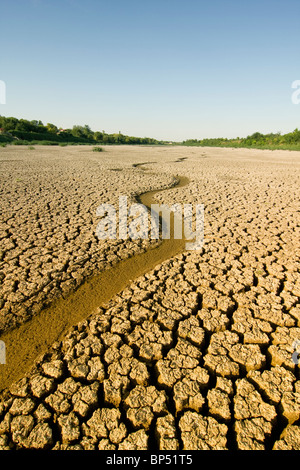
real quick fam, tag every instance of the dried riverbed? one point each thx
(195, 353)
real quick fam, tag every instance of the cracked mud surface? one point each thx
(194, 354)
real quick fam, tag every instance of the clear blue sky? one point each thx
(169, 69)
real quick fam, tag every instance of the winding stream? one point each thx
(27, 342)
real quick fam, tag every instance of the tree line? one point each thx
(290, 141)
(13, 130)
(22, 131)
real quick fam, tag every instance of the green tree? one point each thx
(52, 128)
(98, 136)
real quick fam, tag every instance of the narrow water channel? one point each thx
(27, 342)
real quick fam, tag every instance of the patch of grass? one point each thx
(47, 142)
(20, 142)
(98, 149)
(31, 147)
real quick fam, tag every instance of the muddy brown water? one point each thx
(30, 340)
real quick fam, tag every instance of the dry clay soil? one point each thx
(194, 352)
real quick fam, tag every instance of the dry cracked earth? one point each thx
(194, 354)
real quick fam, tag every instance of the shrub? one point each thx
(98, 149)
